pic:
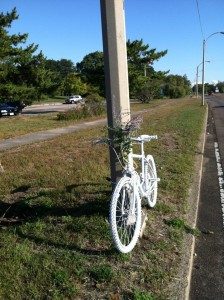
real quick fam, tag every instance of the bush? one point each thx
(94, 98)
(82, 112)
(23, 93)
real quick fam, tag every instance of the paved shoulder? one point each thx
(208, 269)
(45, 135)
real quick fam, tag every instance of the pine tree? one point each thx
(18, 64)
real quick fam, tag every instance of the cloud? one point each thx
(214, 82)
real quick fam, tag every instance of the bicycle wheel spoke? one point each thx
(125, 224)
(126, 233)
(152, 181)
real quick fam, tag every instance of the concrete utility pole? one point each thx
(116, 70)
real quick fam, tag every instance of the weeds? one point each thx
(82, 112)
(143, 296)
(102, 273)
(181, 224)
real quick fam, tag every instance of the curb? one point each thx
(194, 208)
(180, 287)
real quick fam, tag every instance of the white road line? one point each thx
(220, 177)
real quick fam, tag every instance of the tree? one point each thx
(59, 70)
(74, 85)
(177, 86)
(139, 56)
(8, 43)
(220, 86)
(151, 87)
(62, 67)
(140, 60)
(91, 69)
(18, 68)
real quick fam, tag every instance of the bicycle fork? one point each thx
(149, 183)
(131, 218)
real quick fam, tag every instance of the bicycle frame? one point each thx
(138, 181)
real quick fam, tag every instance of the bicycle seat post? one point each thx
(142, 156)
(142, 148)
(130, 162)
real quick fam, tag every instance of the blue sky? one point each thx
(71, 29)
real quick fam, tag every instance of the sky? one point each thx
(71, 29)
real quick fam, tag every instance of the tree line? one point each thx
(210, 88)
(28, 75)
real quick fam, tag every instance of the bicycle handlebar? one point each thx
(145, 138)
(141, 138)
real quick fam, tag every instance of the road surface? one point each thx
(207, 281)
(47, 108)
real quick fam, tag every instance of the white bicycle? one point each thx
(125, 205)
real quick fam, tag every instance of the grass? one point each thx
(54, 203)
(24, 124)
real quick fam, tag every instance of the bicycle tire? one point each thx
(125, 227)
(151, 180)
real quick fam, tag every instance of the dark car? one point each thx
(6, 110)
(18, 105)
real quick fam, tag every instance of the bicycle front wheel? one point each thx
(151, 181)
(125, 215)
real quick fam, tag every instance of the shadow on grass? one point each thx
(73, 202)
(64, 246)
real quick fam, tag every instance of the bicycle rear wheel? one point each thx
(125, 222)
(151, 180)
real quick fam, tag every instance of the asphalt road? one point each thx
(47, 108)
(207, 281)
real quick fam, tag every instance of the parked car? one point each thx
(17, 104)
(73, 99)
(6, 110)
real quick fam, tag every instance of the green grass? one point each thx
(23, 124)
(54, 204)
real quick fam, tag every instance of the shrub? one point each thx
(94, 98)
(82, 112)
